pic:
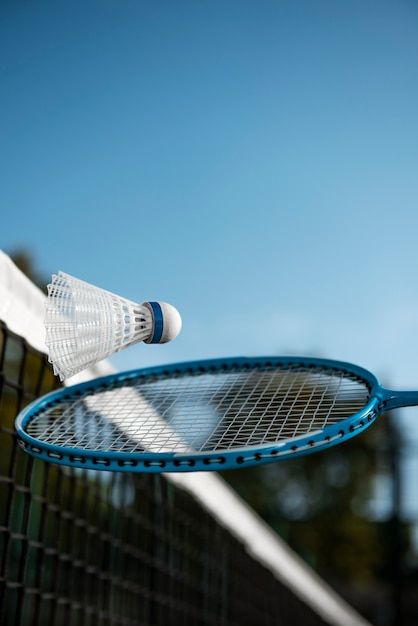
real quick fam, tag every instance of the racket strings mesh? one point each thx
(204, 411)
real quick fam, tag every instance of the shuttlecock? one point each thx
(85, 324)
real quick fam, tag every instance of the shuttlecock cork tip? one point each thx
(166, 322)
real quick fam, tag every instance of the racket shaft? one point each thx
(391, 400)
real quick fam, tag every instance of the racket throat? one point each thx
(390, 400)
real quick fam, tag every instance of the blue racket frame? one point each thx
(380, 400)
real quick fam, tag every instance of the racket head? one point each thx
(202, 415)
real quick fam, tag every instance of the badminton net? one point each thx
(81, 547)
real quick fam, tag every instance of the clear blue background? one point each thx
(254, 162)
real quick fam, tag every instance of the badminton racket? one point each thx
(206, 415)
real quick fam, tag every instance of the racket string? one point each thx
(245, 420)
(204, 412)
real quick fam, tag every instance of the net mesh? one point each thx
(86, 548)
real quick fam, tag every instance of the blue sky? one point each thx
(252, 162)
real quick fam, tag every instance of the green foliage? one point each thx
(23, 259)
(321, 504)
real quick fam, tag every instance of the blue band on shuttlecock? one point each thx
(158, 322)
